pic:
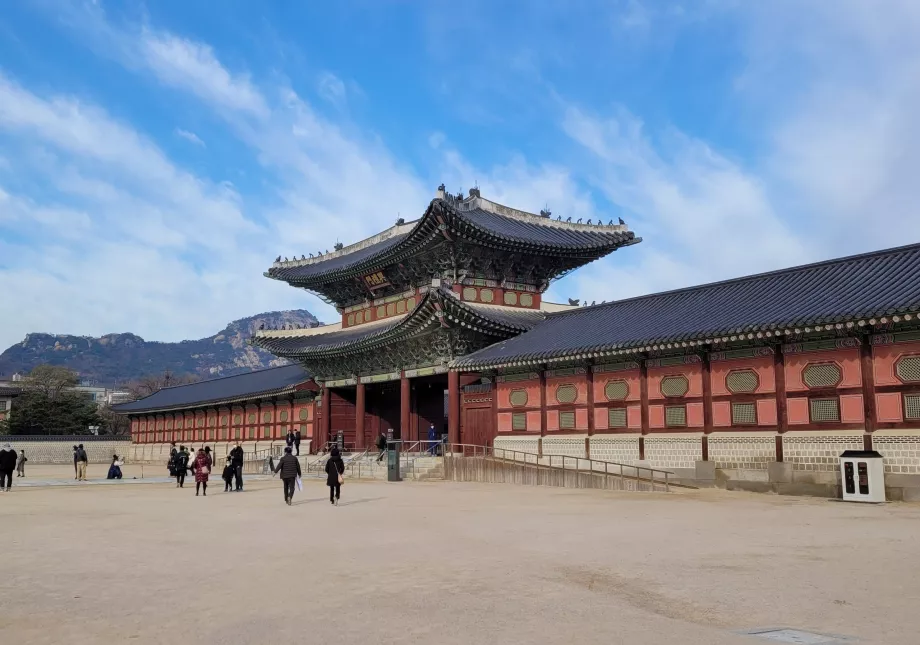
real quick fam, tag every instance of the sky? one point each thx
(156, 157)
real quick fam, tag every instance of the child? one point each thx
(21, 465)
(228, 475)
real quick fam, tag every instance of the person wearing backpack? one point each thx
(335, 468)
(182, 458)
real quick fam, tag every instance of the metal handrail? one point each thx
(536, 460)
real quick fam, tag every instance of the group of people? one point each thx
(293, 441)
(80, 461)
(289, 469)
(10, 462)
(180, 462)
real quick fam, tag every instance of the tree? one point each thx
(151, 384)
(49, 405)
(113, 423)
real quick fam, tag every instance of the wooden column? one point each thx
(326, 419)
(643, 397)
(782, 417)
(405, 408)
(453, 407)
(542, 402)
(359, 416)
(868, 390)
(707, 405)
(589, 379)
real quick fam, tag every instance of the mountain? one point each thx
(124, 357)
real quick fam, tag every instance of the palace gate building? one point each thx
(767, 378)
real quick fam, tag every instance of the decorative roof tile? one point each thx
(843, 291)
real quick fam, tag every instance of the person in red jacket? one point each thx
(201, 467)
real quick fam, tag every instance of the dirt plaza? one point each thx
(449, 563)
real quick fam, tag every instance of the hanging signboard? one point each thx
(376, 281)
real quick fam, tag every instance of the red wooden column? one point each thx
(643, 398)
(589, 379)
(868, 390)
(359, 416)
(782, 416)
(453, 407)
(707, 404)
(405, 408)
(326, 419)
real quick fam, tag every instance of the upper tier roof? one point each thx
(475, 219)
(836, 294)
(270, 382)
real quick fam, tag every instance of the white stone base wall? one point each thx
(618, 449)
(522, 444)
(568, 445)
(900, 449)
(819, 452)
(742, 450)
(673, 451)
(61, 452)
(158, 453)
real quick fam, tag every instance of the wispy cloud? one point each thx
(191, 137)
(331, 88)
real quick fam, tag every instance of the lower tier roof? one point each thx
(840, 294)
(263, 383)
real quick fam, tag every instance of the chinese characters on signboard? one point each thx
(376, 280)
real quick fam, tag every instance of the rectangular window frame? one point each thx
(667, 423)
(904, 403)
(753, 405)
(814, 399)
(617, 411)
(568, 415)
(519, 422)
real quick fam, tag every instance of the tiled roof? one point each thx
(498, 320)
(846, 292)
(474, 218)
(277, 380)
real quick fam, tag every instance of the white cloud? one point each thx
(332, 88)
(190, 137)
(193, 66)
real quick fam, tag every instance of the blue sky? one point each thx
(156, 157)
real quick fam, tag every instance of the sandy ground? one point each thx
(449, 563)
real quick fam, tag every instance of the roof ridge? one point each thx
(832, 261)
(474, 202)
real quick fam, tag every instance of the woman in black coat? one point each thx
(335, 468)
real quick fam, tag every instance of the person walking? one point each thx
(21, 464)
(201, 467)
(236, 458)
(335, 468)
(7, 466)
(432, 440)
(297, 442)
(207, 451)
(289, 467)
(382, 447)
(82, 461)
(75, 463)
(289, 439)
(182, 459)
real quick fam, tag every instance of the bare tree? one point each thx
(148, 385)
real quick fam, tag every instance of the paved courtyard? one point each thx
(449, 563)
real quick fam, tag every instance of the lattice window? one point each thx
(178, 424)
(742, 381)
(616, 390)
(674, 385)
(487, 295)
(266, 417)
(401, 307)
(616, 417)
(526, 300)
(510, 298)
(908, 369)
(912, 406)
(391, 309)
(566, 420)
(223, 420)
(469, 293)
(744, 414)
(519, 421)
(284, 415)
(237, 418)
(266, 433)
(200, 423)
(566, 394)
(518, 398)
(252, 418)
(304, 414)
(675, 415)
(381, 311)
(822, 374)
(824, 410)
(168, 425)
